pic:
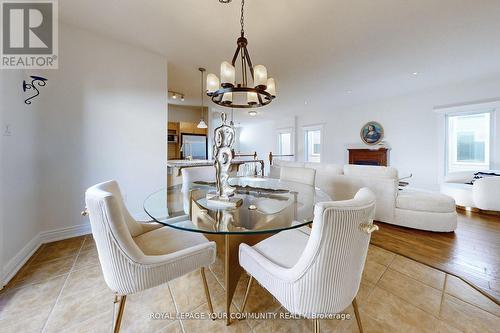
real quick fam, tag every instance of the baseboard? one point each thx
(64, 233)
(17, 262)
(14, 265)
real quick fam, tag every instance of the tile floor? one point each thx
(61, 289)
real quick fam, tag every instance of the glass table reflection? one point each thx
(267, 206)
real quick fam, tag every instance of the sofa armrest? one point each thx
(486, 193)
(461, 177)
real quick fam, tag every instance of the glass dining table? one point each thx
(267, 206)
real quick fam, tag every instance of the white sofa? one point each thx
(483, 194)
(411, 208)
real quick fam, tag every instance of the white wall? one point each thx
(19, 221)
(410, 123)
(252, 137)
(101, 116)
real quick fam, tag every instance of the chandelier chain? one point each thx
(242, 17)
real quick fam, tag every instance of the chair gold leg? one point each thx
(246, 294)
(121, 308)
(315, 325)
(207, 291)
(356, 312)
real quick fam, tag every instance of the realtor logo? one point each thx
(29, 34)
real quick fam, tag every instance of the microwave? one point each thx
(172, 138)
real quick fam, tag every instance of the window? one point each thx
(468, 141)
(312, 144)
(285, 143)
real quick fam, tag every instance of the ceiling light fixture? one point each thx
(252, 113)
(202, 123)
(176, 94)
(227, 92)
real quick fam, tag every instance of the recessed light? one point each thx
(252, 113)
(415, 73)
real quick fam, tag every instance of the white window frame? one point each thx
(464, 110)
(489, 153)
(317, 127)
(292, 140)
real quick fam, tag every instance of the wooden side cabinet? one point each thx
(378, 157)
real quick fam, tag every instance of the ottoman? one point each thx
(425, 210)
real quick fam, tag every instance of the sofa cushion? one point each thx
(333, 169)
(298, 175)
(425, 201)
(275, 168)
(460, 177)
(461, 192)
(370, 171)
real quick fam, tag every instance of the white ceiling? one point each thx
(349, 51)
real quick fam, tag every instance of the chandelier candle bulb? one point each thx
(212, 83)
(271, 87)
(227, 98)
(252, 98)
(260, 77)
(227, 75)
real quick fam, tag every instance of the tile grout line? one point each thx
(175, 306)
(411, 277)
(443, 291)
(471, 304)
(418, 307)
(64, 285)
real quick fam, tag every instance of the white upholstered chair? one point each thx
(195, 174)
(320, 273)
(298, 175)
(136, 256)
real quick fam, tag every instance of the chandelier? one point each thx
(227, 92)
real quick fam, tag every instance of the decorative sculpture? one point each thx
(40, 81)
(223, 142)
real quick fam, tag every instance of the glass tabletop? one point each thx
(266, 205)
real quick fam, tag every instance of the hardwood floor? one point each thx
(472, 252)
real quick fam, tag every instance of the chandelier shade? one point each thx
(212, 83)
(244, 94)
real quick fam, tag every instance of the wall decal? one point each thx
(38, 80)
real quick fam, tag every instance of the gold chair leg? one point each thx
(356, 312)
(315, 325)
(207, 291)
(246, 294)
(121, 308)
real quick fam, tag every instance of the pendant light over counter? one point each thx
(202, 123)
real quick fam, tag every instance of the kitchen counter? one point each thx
(180, 164)
(188, 163)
